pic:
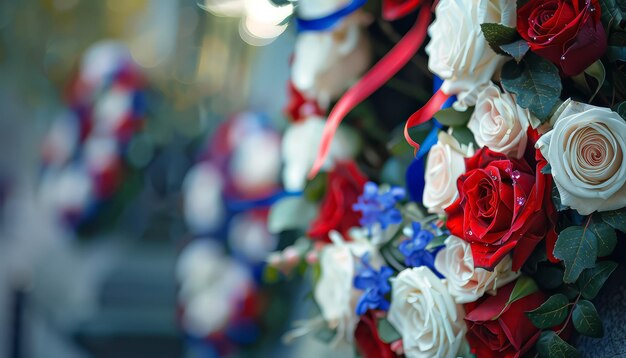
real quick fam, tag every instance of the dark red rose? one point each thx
(566, 32)
(368, 342)
(344, 185)
(299, 106)
(395, 9)
(510, 335)
(504, 205)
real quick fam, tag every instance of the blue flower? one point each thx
(375, 284)
(414, 249)
(379, 207)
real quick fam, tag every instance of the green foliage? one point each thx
(316, 187)
(516, 49)
(586, 319)
(621, 109)
(536, 82)
(607, 239)
(451, 117)
(291, 213)
(552, 346)
(615, 218)
(387, 332)
(591, 280)
(463, 135)
(577, 246)
(597, 71)
(549, 277)
(498, 35)
(551, 313)
(524, 286)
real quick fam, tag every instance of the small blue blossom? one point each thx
(375, 284)
(379, 207)
(414, 249)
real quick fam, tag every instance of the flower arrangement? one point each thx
(497, 233)
(85, 152)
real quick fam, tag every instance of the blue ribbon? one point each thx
(245, 205)
(329, 21)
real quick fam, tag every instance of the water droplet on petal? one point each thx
(562, 58)
(469, 232)
(520, 200)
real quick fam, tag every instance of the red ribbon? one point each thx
(388, 66)
(424, 114)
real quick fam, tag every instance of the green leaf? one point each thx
(316, 187)
(578, 248)
(462, 134)
(612, 14)
(615, 218)
(617, 38)
(591, 280)
(551, 313)
(552, 346)
(621, 109)
(536, 82)
(451, 117)
(586, 319)
(597, 71)
(498, 35)
(607, 239)
(387, 332)
(291, 213)
(516, 49)
(524, 286)
(556, 199)
(549, 277)
(570, 290)
(537, 256)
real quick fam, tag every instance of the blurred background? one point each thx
(136, 136)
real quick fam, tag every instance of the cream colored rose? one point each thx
(444, 165)
(334, 292)
(585, 150)
(424, 313)
(458, 51)
(499, 123)
(465, 282)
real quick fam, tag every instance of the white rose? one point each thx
(299, 149)
(445, 163)
(424, 313)
(458, 51)
(499, 123)
(465, 282)
(202, 194)
(334, 292)
(326, 63)
(585, 150)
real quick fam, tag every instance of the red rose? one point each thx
(395, 9)
(299, 106)
(344, 186)
(368, 342)
(510, 335)
(504, 205)
(566, 32)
